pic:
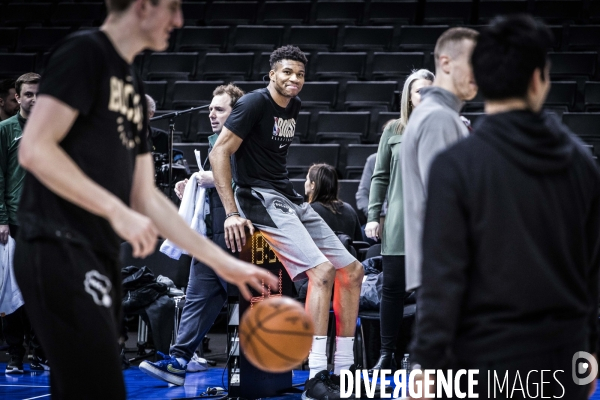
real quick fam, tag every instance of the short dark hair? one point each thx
(449, 41)
(325, 179)
(122, 5)
(5, 86)
(507, 53)
(30, 78)
(287, 52)
(230, 89)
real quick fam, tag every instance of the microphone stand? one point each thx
(171, 116)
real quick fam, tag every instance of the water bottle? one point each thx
(405, 363)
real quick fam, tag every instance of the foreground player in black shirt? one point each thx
(90, 185)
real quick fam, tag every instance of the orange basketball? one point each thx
(276, 334)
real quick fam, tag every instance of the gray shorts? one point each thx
(298, 235)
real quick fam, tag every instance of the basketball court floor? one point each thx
(31, 386)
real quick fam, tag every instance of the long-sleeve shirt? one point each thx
(387, 180)
(433, 126)
(12, 175)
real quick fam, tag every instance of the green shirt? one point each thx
(387, 178)
(12, 175)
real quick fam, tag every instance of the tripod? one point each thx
(171, 116)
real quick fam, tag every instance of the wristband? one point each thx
(232, 214)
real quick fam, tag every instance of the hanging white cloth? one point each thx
(10, 295)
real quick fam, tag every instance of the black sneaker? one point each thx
(15, 365)
(39, 364)
(321, 388)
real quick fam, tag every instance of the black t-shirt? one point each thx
(345, 222)
(267, 130)
(85, 72)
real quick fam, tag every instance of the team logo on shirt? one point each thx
(99, 287)
(125, 101)
(284, 129)
(281, 206)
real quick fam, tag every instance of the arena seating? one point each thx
(359, 52)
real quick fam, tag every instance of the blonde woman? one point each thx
(387, 178)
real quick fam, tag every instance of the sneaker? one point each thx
(168, 370)
(38, 364)
(15, 365)
(321, 388)
(197, 364)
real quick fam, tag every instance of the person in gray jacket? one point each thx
(433, 127)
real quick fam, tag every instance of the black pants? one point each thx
(16, 326)
(392, 301)
(73, 298)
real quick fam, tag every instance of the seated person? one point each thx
(321, 188)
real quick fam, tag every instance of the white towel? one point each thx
(10, 295)
(193, 209)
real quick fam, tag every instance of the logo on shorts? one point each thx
(99, 287)
(280, 205)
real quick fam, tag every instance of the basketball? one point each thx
(276, 334)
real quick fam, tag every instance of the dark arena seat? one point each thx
(227, 66)
(231, 12)
(583, 124)
(367, 38)
(302, 156)
(40, 39)
(339, 11)
(286, 12)
(350, 66)
(319, 38)
(257, 38)
(171, 65)
(197, 38)
(393, 12)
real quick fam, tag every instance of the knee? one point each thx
(352, 275)
(322, 275)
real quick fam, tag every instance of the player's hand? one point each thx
(205, 179)
(136, 228)
(180, 188)
(4, 233)
(372, 230)
(242, 274)
(235, 233)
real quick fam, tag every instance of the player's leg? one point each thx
(348, 280)
(277, 219)
(72, 295)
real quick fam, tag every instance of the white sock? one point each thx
(182, 361)
(344, 354)
(317, 359)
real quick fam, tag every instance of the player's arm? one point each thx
(41, 155)
(146, 199)
(220, 160)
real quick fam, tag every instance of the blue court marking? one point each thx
(30, 386)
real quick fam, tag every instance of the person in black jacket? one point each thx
(512, 234)
(321, 188)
